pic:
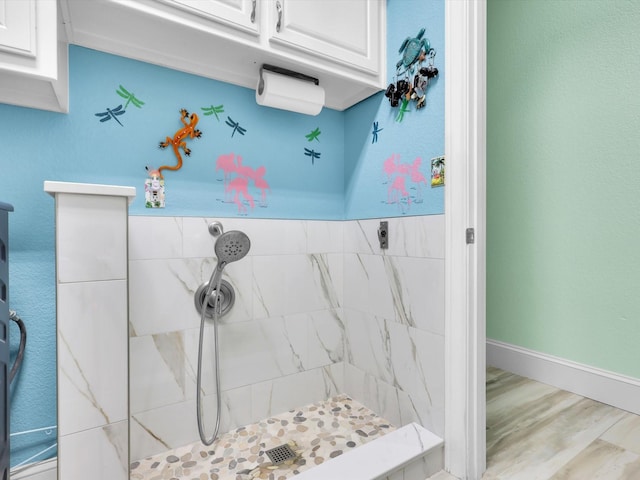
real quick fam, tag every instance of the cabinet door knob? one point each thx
(279, 9)
(253, 11)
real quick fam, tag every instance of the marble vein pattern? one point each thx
(316, 433)
(100, 450)
(398, 363)
(91, 238)
(92, 367)
(92, 389)
(318, 306)
(535, 431)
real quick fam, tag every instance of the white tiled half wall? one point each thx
(320, 310)
(91, 267)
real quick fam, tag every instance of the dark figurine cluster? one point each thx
(414, 52)
(396, 91)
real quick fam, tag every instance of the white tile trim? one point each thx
(53, 188)
(601, 385)
(378, 458)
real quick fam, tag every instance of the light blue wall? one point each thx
(111, 153)
(346, 182)
(419, 135)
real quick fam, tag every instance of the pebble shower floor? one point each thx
(316, 433)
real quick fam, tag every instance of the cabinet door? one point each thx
(18, 27)
(33, 70)
(344, 31)
(238, 14)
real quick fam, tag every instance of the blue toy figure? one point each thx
(413, 50)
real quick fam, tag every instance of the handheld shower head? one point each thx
(231, 247)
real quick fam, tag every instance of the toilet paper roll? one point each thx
(289, 93)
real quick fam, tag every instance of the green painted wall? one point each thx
(563, 179)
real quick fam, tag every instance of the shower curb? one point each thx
(412, 448)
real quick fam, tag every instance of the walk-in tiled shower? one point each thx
(320, 312)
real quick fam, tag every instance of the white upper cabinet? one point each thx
(346, 32)
(33, 62)
(340, 42)
(18, 27)
(238, 14)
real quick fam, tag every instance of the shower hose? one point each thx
(216, 312)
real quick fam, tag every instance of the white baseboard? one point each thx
(47, 470)
(607, 387)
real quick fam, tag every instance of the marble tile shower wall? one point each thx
(394, 319)
(320, 310)
(282, 345)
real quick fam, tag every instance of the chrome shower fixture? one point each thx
(215, 228)
(214, 299)
(218, 303)
(230, 247)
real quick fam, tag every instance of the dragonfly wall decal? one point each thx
(213, 110)
(111, 113)
(129, 97)
(236, 127)
(314, 135)
(375, 132)
(313, 154)
(404, 108)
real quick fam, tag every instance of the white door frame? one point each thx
(465, 205)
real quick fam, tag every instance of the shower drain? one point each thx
(280, 454)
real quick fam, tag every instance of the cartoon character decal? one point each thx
(154, 189)
(437, 172)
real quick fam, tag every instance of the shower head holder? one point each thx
(215, 229)
(225, 302)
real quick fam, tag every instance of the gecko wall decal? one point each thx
(179, 139)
